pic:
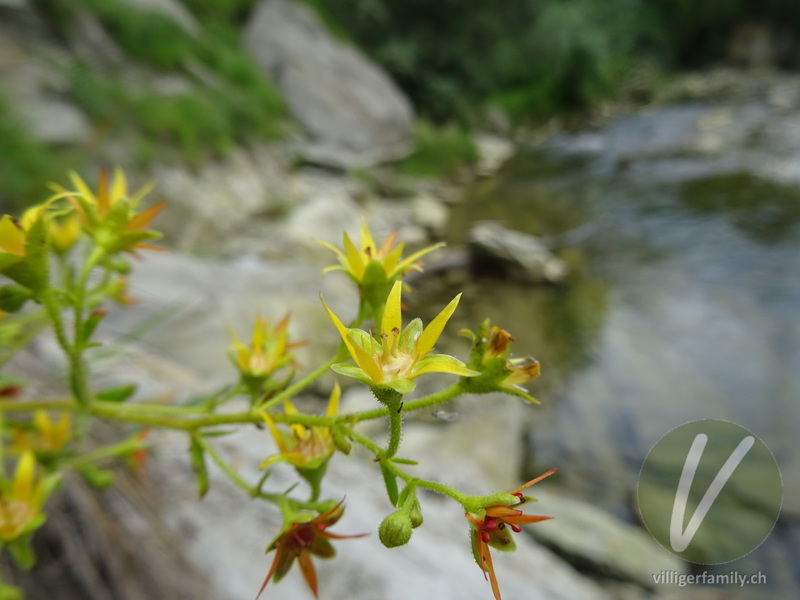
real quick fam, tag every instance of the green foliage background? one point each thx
(536, 58)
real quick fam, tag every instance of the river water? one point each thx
(682, 305)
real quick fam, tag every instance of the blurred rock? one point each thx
(354, 114)
(55, 121)
(493, 152)
(597, 541)
(523, 256)
(430, 213)
(208, 206)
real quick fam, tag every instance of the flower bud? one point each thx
(415, 515)
(395, 530)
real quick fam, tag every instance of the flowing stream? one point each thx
(682, 305)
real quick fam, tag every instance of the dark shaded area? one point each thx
(536, 59)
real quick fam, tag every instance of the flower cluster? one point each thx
(66, 258)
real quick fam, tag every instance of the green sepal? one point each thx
(513, 391)
(13, 297)
(391, 483)
(7, 260)
(33, 271)
(502, 541)
(314, 474)
(95, 476)
(197, 459)
(375, 288)
(340, 440)
(90, 325)
(117, 264)
(116, 394)
(353, 371)
(22, 551)
(127, 240)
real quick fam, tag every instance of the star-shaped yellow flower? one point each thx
(305, 447)
(22, 498)
(110, 216)
(400, 355)
(355, 260)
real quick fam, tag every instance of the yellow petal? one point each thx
(82, 188)
(434, 329)
(338, 252)
(30, 216)
(367, 243)
(42, 421)
(354, 261)
(257, 341)
(276, 434)
(22, 485)
(119, 188)
(12, 238)
(409, 262)
(391, 260)
(392, 318)
(360, 356)
(333, 402)
(446, 366)
(142, 192)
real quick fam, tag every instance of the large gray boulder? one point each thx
(353, 113)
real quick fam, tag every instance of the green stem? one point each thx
(253, 491)
(432, 400)
(395, 433)
(185, 418)
(54, 312)
(399, 472)
(78, 374)
(302, 384)
(35, 322)
(120, 449)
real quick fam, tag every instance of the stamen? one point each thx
(515, 528)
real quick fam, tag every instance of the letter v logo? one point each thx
(679, 538)
(709, 491)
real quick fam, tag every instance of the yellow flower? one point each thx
(305, 447)
(109, 215)
(64, 231)
(47, 436)
(355, 261)
(399, 356)
(21, 500)
(268, 350)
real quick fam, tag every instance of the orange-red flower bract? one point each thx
(491, 529)
(301, 541)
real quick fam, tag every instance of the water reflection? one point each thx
(682, 307)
